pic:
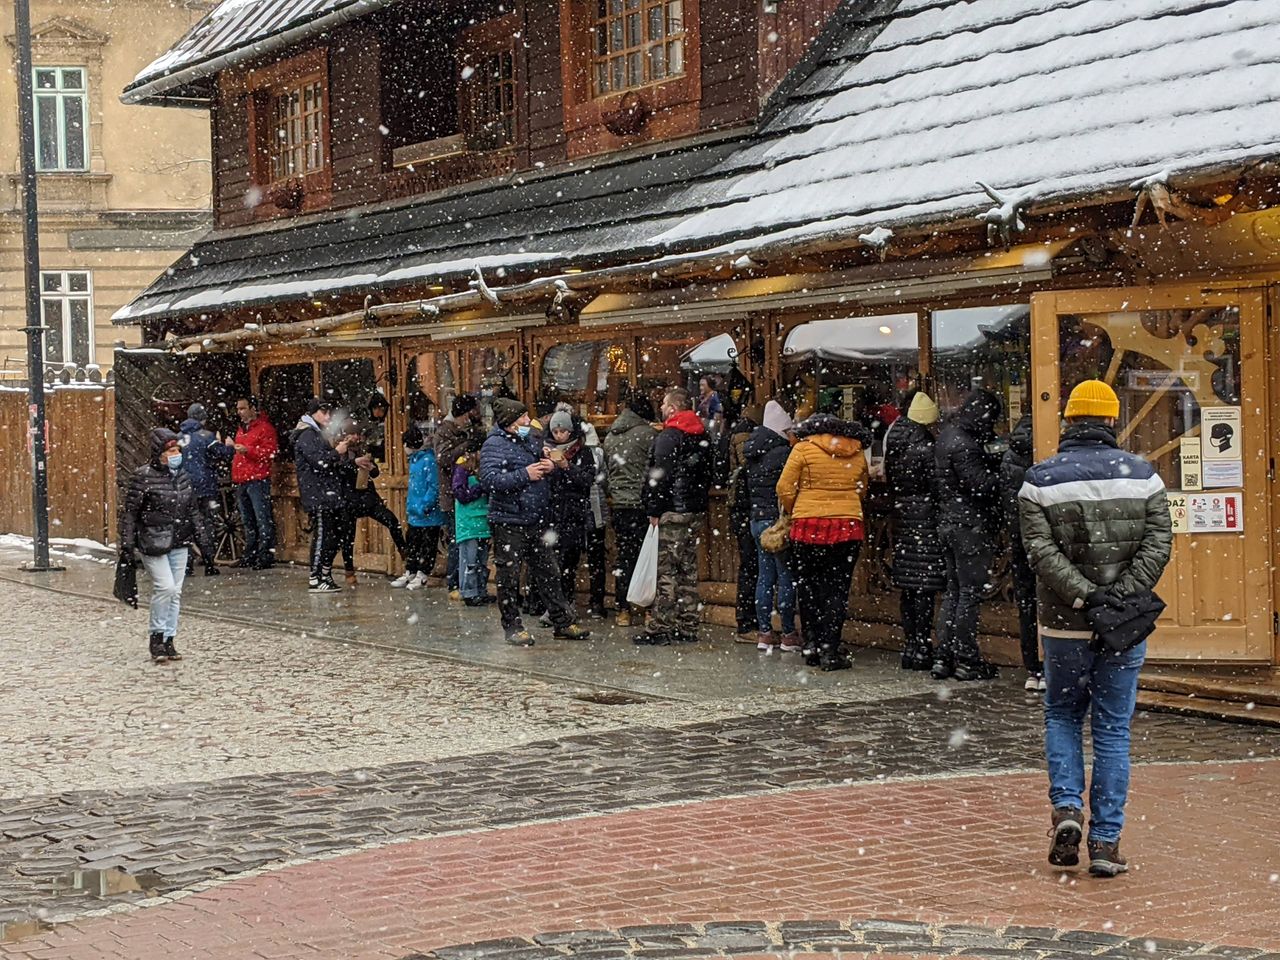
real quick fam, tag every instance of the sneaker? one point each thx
(520, 638)
(623, 619)
(324, 586)
(156, 644)
(791, 643)
(473, 601)
(488, 598)
(1066, 832)
(765, 641)
(966, 672)
(419, 580)
(544, 621)
(1041, 685)
(455, 594)
(571, 632)
(1034, 683)
(652, 639)
(403, 580)
(1105, 859)
(598, 613)
(942, 669)
(835, 661)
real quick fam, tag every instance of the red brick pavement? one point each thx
(956, 850)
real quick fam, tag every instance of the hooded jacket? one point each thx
(263, 445)
(679, 467)
(766, 455)
(422, 501)
(319, 466)
(470, 505)
(627, 446)
(739, 500)
(826, 471)
(513, 498)
(968, 478)
(1013, 468)
(910, 465)
(201, 454)
(161, 511)
(453, 440)
(1093, 517)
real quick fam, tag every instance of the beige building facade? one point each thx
(123, 191)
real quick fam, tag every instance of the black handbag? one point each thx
(1122, 626)
(126, 586)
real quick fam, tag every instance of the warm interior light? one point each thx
(572, 269)
(887, 331)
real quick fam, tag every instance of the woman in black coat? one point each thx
(919, 566)
(571, 481)
(160, 520)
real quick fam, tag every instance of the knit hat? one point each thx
(463, 404)
(317, 405)
(413, 438)
(560, 420)
(1092, 398)
(922, 409)
(197, 412)
(776, 418)
(507, 410)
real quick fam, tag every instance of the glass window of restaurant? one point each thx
(592, 375)
(983, 348)
(431, 388)
(491, 371)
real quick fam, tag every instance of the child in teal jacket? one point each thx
(471, 518)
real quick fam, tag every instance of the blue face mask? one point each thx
(174, 460)
(524, 430)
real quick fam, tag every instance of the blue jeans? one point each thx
(773, 572)
(167, 572)
(254, 500)
(473, 568)
(1104, 685)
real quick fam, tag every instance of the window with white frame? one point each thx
(66, 307)
(61, 113)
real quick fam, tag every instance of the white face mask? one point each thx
(524, 429)
(174, 460)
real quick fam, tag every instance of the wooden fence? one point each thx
(82, 462)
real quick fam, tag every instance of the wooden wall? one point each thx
(355, 112)
(82, 485)
(729, 62)
(785, 36)
(544, 93)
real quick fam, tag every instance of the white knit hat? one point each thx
(776, 418)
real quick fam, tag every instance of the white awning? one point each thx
(893, 337)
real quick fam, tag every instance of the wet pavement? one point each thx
(353, 786)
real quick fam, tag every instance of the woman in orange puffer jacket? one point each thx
(821, 488)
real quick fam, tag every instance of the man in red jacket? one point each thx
(256, 446)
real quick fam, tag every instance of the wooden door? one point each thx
(1177, 357)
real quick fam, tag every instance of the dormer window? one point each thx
(637, 43)
(297, 142)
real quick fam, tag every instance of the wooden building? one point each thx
(568, 198)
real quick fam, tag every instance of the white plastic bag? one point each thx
(644, 579)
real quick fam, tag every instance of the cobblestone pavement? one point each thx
(353, 803)
(84, 709)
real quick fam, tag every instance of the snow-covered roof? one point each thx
(867, 339)
(231, 31)
(893, 125)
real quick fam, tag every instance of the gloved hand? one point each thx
(1100, 598)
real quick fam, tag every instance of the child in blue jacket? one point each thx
(422, 509)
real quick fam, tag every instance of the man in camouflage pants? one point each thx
(675, 500)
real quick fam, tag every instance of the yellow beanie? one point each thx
(922, 409)
(1092, 398)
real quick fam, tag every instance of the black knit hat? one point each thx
(507, 411)
(316, 405)
(413, 438)
(463, 404)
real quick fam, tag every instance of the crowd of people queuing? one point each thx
(1088, 534)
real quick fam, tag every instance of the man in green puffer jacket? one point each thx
(626, 453)
(1096, 529)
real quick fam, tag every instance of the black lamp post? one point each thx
(35, 324)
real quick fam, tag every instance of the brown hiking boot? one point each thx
(1105, 859)
(1066, 832)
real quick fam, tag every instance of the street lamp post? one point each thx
(35, 324)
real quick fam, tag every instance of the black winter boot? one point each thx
(170, 650)
(157, 648)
